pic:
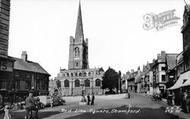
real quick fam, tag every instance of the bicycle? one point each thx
(31, 113)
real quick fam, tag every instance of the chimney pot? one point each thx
(24, 56)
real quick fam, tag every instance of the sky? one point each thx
(114, 29)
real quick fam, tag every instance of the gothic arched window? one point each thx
(87, 83)
(80, 74)
(89, 73)
(77, 52)
(84, 73)
(67, 74)
(98, 82)
(76, 74)
(66, 83)
(76, 64)
(77, 83)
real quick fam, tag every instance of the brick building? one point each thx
(163, 63)
(132, 87)
(29, 75)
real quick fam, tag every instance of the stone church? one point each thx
(79, 78)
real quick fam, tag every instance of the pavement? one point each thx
(181, 115)
(139, 106)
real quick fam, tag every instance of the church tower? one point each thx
(78, 49)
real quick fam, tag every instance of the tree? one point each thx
(110, 80)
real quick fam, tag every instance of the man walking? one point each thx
(88, 99)
(93, 98)
(1, 106)
(30, 106)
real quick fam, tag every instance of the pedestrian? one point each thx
(170, 98)
(7, 113)
(1, 101)
(173, 98)
(93, 98)
(181, 97)
(1, 107)
(128, 93)
(88, 99)
(30, 106)
(185, 101)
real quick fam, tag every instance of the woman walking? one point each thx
(88, 99)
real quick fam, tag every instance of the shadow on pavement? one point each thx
(20, 115)
(128, 113)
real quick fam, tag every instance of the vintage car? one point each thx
(46, 100)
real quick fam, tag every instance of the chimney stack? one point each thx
(163, 56)
(132, 70)
(158, 56)
(24, 56)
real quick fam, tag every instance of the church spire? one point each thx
(79, 28)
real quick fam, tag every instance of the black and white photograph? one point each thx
(94, 59)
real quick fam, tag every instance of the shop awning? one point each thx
(183, 80)
(187, 83)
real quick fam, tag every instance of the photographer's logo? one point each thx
(160, 21)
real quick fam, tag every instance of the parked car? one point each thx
(46, 100)
(109, 92)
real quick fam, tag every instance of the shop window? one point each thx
(28, 85)
(163, 78)
(28, 75)
(163, 68)
(3, 85)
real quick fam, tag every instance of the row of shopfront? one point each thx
(181, 87)
(169, 72)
